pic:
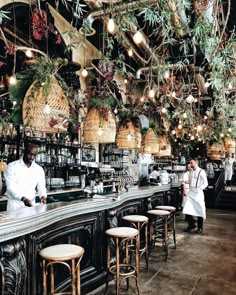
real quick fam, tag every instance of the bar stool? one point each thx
(159, 234)
(62, 254)
(172, 211)
(119, 238)
(140, 222)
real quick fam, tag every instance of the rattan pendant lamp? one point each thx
(151, 143)
(128, 136)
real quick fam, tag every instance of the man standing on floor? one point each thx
(195, 203)
(23, 178)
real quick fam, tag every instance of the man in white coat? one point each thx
(228, 165)
(23, 177)
(195, 203)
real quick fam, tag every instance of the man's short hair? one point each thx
(195, 159)
(29, 147)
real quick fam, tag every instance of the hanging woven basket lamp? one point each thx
(151, 143)
(215, 151)
(46, 111)
(97, 129)
(128, 136)
(230, 146)
(164, 147)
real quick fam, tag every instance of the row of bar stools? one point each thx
(159, 234)
(172, 211)
(140, 222)
(119, 238)
(67, 255)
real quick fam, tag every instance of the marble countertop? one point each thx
(29, 219)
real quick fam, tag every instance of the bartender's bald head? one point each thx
(194, 163)
(30, 153)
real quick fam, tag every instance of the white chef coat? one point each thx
(154, 174)
(23, 181)
(195, 203)
(228, 164)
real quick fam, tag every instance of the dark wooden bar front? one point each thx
(23, 233)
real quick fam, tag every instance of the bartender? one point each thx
(228, 165)
(195, 203)
(23, 178)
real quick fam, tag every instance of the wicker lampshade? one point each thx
(165, 148)
(3, 166)
(128, 137)
(215, 151)
(230, 146)
(151, 143)
(99, 130)
(37, 117)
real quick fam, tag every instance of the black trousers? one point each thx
(191, 222)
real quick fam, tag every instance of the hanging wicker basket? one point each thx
(151, 143)
(46, 112)
(230, 146)
(165, 148)
(128, 136)
(97, 129)
(215, 151)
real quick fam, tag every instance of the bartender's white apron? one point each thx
(228, 172)
(195, 203)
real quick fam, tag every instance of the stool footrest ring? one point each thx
(131, 270)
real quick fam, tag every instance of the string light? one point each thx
(125, 81)
(185, 115)
(164, 110)
(115, 111)
(151, 93)
(205, 117)
(192, 137)
(130, 52)
(180, 126)
(166, 75)
(84, 73)
(29, 53)
(199, 128)
(230, 130)
(230, 86)
(173, 132)
(142, 99)
(173, 94)
(12, 80)
(111, 26)
(138, 37)
(190, 99)
(222, 135)
(207, 84)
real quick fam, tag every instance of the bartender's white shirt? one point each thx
(23, 181)
(154, 174)
(198, 182)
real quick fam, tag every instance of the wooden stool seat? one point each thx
(140, 222)
(167, 208)
(62, 252)
(122, 232)
(135, 218)
(158, 212)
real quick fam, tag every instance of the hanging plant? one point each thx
(39, 24)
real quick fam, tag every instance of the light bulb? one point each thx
(199, 139)
(164, 110)
(228, 134)
(230, 130)
(29, 53)
(190, 99)
(138, 37)
(166, 75)
(222, 135)
(173, 132)
(151, 93)
(100, 131)
(189, 134)
(230, 86)
(130, 52)
(185, 115)
(205, 117)
(14, 102)
(125, 81)
(173, 94)
(84, 73)
(195, 100)
(199, 128)
(129, 137)
(175, 140)
(12, 80)
(180, 126)
(142, 99)
(192, 137)
(47, 109)
(111, 26)
(207, 84)
(115, 111)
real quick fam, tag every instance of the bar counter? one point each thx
(24, 232)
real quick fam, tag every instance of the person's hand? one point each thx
(43, 200)
(27, 202)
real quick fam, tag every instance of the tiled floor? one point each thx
(201, 265)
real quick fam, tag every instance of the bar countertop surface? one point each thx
(26, 220)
